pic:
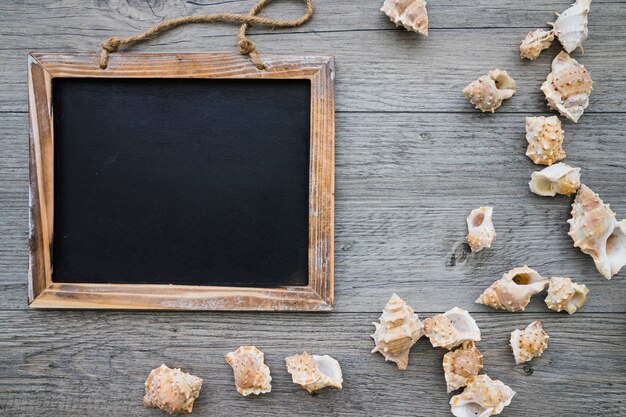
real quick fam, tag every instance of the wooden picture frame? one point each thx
(44, 293)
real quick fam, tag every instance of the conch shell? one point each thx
(535, 42)
(462, 364)
(571, 25)
(489, 91)
(529, 343)
(483, 397)
(314, 372)
(556, 179)
(480, 228)
(545, 140)
(451, 328)
(408, 13)
(568, 87)
(252, 376)
(397, 332)
(512, 292)
(563, 294)
(597, 233)
(171, 390)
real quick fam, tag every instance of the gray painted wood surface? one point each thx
(413, 158)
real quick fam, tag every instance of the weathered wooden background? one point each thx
(413, 158)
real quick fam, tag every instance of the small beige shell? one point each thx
(483, 397)
(408, 13)
(535, 42)
(563, 294)
(451, 328)
(512, 292)
(489, 91)
(568, 87)
(397, 332)
(571, 25)
(462, 364)
(545, 140)
(556, 179)
(171, 390)
(529, 343)
(595, 230)
(314, 372)
(252, 376)
(480, 228)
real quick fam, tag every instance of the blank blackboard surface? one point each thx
(181, 181)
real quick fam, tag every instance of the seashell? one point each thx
(597, 233)
(408, 13)
(483, 397)
(545, 140)
(563, 294)
(535, 42)
(568, 87)
(571, 25)
(512, 292)
(171, 390)
(462, 364)
(252, 376)
(480, 228)
(489, 91)
(556, 179)
(314, 372)
(529, 343)
(397, 332)
(451, 328)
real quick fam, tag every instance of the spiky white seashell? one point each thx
(451, 328)
(556, 179)
(461, 364)
(482, 397)
(512, 292)
(571, 25)
(252, 376)
(529, 343)
(565, 295)
(408, 13)
(314, 372)
(545, 140)
(535, 42)
(489, 91)
(480, 228)
(171, 390)
(397, 332)
(595, 230)
(568, 87)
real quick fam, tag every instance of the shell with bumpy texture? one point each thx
(252, 376)
(595, 230)
(489, 91)
(483, 397)
(451, 328)
(565, 295)
(462, 364)
(512, 292)
(171, 390)
(535, 42)
(529, 343)
(545, 140)
(314, 372)
(408, 13)
(556, 179)
(480, 228)
(571, 25)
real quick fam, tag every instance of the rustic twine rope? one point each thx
(246, 46)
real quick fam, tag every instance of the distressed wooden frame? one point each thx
(44, 293)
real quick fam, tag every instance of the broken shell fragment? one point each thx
(545, 140)
(595, 230)
(462, 364)
(512, 292)
(314, 372)
(568, 87)
(571, 26)
(480, 228)
(483, 397)
(556, 179)
(535, 42)
(252, 376)
(489, 91)
(171, 390)
(565, 295)
(408, 13)
(451, 328)
(529, 343)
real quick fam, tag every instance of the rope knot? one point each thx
(246, 47)
(112, 44)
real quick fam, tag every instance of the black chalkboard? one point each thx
(181, 181)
